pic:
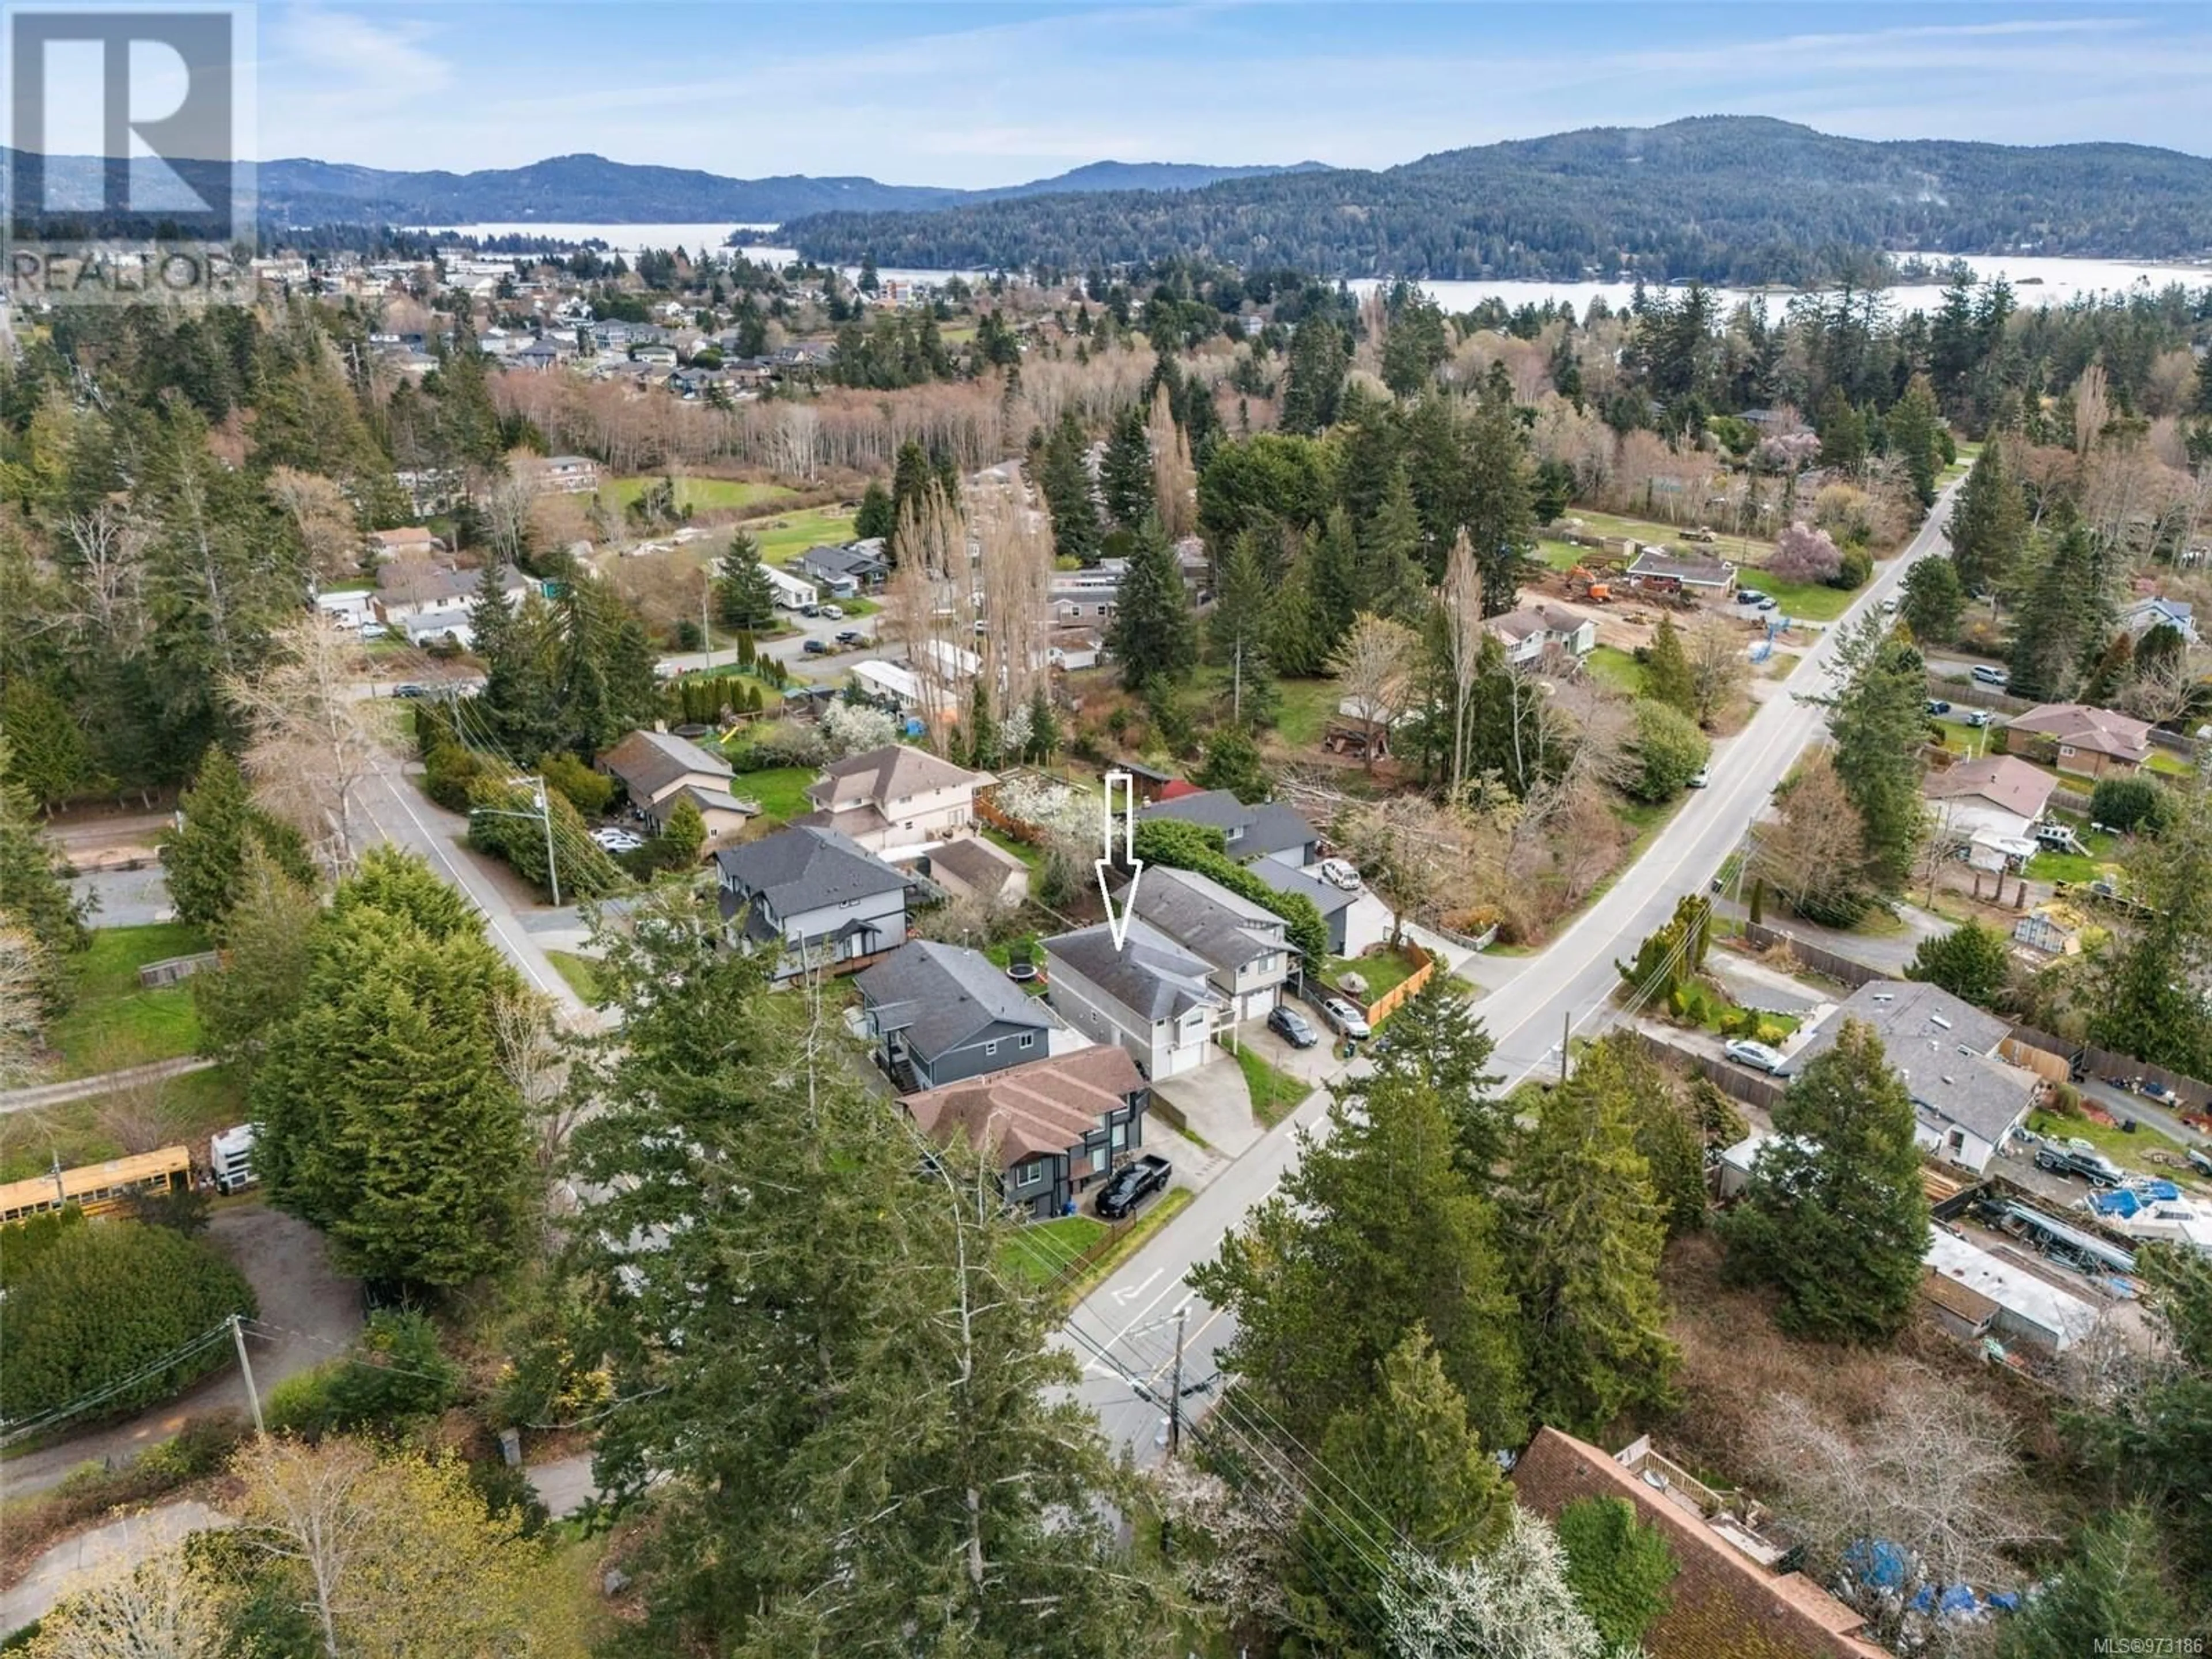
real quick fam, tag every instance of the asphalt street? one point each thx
(1124, 1332)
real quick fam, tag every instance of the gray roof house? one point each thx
(657, 769)
(1150, 994)
(1966, 1101)
(1242, 942)
(823, 901)
(1268, 831)
(1350, 932)
(844, 571)
(944, 1014)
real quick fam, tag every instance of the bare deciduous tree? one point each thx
(313, 741)
(1462, 642)
(1719, 667)
(930, 605)
(1815, 843)
(1374, 664)
(1013, 542)
(1175, 480)
(319, 511)
(536, 1066)
(21, 975)
(165, 1607)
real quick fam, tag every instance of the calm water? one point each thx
(2036, 280)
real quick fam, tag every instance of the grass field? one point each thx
(787, 535)
(2116, 1143)
(700, 494)
(177, 1109)
(1736, 548)
(1383, 972)
(2076, 866)
(1305, 711)
(781, 791)
(1043, 1250)
(1616, 668)
(115, 1023)
(581, 973)
(1275, 1093)
(1813, 601)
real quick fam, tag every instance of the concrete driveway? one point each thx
(1214, 1101)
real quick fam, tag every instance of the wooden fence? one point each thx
(1752, 1088)
(1425, 967)
(1976, 693)
(1843, 970)
(170, 969)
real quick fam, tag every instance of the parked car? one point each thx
(1748, 596)
(1889, 605)
(2200, 1159)
(1757, 1055)
(618, 839)
(816, 648)
(833, 612)
(1293, 1027)
(810, 609)
(410, 690)
(848, 636)
(1343, 1018)
(372, 631)
(1937, 706)
(1132, 1184)
(1340, 873)
(1988, 675)
(1978, 717)
(1766, 602)
(2079, 1157)
(1701, 777)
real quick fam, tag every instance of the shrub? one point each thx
(1856, 567)
(109, 1303)
(22, 1243)
(590, 793)
(395, 1376)
(1197, 847)
(502, 822)
(1671, 748)
(2127, 803)
(451, 772)
(1971, 961)
(201, 1448)
(1619, 1568)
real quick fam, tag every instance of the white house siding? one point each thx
(1164, 1050)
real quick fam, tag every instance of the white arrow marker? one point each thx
(1131, 1292)
(1118, 925)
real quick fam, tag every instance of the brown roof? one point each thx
(890, 774)
(648, 762)
(2079, 725)
(976, 862)
(1046, 1106)
(1724, 1602)
(1964, 1300)
(1999, 780)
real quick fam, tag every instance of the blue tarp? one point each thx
(1877, 1562)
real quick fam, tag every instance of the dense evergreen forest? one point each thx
(1727, 199)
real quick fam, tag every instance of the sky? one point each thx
(975, 95)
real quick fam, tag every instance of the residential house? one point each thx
(2090, 743)
(1354, 921)
(2144, 615)
(656, 770)
(791, 592)
(891, 685)
(813, 896)
(1148, 994)
(1269, 830)
(1730, 1595)
(942, 1014)
(896, 797)
(1241, 943)
(539, 355)
(415, 542)
(1527, 635)
(1977, 1294)
(455, 625)
(1990, 807)
(843, 571)
(415, 587)
(1057, 1125)
(1655, 567)
(563, 475)
(976, 868)
(1086, 596)
(1965, 1101)
(350, 609)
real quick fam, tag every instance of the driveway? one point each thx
(125, 898)
(134, 1539)
(1214, 1101)
(309, 1313)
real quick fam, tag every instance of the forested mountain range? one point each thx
(593, 190)
(1727, 198)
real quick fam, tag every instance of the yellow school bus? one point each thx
(97, 1188)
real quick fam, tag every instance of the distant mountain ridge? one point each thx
(592, 190)
(1724, 198)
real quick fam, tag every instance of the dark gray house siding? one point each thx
(998, 1046)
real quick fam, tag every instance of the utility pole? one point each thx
(1566, 1035)
(552, 864)
(1236, 692)
(706, 636)
(1175, 1394)
(246, 1366)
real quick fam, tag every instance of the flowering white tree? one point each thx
(1803, 554)
(1513, 1603)
(1061, 808)
(853, 728)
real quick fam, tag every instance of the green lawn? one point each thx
(2076, 866)
(1813, 601)
(582, 974)
(1383, 972)
(1563, 555)
(2109, 1139)
(1041, 1250)
(1275, 1093)
(1032, 856)
(1616, 668)
(700, 494)
(781, 791)
(2168, 764)
(787, 535)
(114, 1023)
(1307, 706)
(177, 1109)
(1737, 550)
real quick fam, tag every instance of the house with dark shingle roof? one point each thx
(656, 770)
(1148, 993)
(896, 797)
(821, 901)
(942, 1014)
(843, 571)
(1244, 943)
(2077, 738)
(1056, 1125)
(1965, 1101)
(1268, 831)
(1727, 1597)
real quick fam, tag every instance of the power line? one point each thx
(83, 1403)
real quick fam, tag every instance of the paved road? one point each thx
(1571, 982)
